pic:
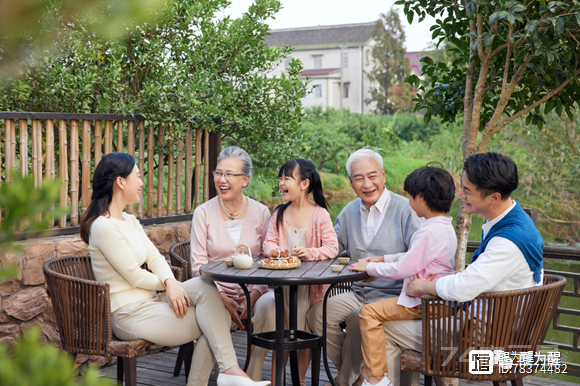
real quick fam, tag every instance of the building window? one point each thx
(318, 91)
(345, 88)
(317, 61)
(345, 60)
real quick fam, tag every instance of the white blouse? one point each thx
(235, 229)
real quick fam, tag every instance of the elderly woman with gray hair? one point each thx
(218, 226)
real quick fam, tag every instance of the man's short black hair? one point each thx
(492, 172)
(435, 185)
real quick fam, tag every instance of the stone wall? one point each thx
(24, 301)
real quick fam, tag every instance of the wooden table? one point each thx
(309, 273)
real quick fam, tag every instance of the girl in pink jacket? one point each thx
(304, 228)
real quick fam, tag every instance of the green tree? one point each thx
(189, 66)
(390, 66)
(28, 27)
(519, 55)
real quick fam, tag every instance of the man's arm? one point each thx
(499, 261)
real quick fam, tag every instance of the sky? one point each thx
(309, 13)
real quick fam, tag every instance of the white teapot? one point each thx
(241, 260)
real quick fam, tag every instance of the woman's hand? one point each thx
(302, 253)
(231, 306)
(177, 298)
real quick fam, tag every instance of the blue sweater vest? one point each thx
(518, 228)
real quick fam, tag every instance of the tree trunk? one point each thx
(462, 232)
(215, 147)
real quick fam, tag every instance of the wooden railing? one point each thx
(69, 146)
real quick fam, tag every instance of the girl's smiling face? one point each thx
(291, 187)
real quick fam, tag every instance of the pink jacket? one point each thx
(211, 241)
(321, 239)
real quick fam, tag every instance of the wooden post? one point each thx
(34, 151)
(63, 166)
(130, 151)
(141, 164)
(50, 172)
(98, 141)
(7, 150)
(179, 178)
(215, 147)
(150, 143)
(23, 126)
(108, 137)
(160, 168)
(198, 153)
(13, 144)
(74, 171)
(120, 137)
(86, 171)
(188, 167)
(39, 150)
(206, 167)
(171, 169)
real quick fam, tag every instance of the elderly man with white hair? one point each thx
(379, 222)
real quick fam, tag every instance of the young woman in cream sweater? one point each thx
(119, 246)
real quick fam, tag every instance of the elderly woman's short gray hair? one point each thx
(236, 152)
(365, 152)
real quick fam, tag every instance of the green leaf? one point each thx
(578, 18)
(488, 40)
(410, 16)
(493, 18)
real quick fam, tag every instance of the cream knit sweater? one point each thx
(118, 249)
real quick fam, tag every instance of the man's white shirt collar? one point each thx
(489, 224)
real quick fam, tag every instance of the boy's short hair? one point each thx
(492, 172)
(435, 185)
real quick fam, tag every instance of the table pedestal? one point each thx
(290, 340)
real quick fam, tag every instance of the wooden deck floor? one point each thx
(157, 370)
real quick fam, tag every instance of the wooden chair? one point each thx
(179, 255)
(515, 320)
(82, 307)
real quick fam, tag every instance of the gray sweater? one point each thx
(393, 236)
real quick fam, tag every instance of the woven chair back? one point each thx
(81, 304)
(510, 321)
(180, 254)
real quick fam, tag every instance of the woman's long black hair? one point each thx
(112, 165)
(306, 171)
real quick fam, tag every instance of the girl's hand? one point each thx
(232, 307)
(360, 266)
(254, 296)
(302, 253)
(177, 298)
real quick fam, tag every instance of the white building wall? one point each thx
(330, 84)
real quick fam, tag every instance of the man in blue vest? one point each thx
(510, 255)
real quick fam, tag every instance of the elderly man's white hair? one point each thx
(365, 152)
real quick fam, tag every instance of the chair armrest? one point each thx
(177, 272)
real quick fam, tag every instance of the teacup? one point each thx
(343, 260)
(336, 267)
(241, 260)
(229, 262)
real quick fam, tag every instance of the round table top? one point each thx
(308, 273)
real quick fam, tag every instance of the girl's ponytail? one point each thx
(316, 189)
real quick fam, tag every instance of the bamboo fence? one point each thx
(68, 147)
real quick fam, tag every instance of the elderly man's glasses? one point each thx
(218, 175)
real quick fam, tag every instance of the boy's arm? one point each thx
(423, 250)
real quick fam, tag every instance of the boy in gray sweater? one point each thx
(378, 223)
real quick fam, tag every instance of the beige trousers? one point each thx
(155, 321)
(343, 349)
(402, 335)
(372, 316)
(263, 320)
